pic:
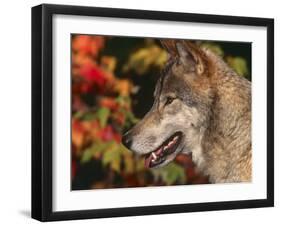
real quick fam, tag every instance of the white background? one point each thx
(15, 86)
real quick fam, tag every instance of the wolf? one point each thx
(202, 108)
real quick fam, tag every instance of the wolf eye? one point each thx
(169, 100)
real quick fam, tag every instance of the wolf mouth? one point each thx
(160, 154)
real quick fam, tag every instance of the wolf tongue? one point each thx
(149, 158)
(158, 152)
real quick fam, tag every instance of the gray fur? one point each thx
(211, 106)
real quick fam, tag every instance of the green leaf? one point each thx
(146, 58)
(103, 115)
(171, 174)
(129, 163)
(95, 150)
(131, 117)
(239, 64)
(175, 173)
(112, 157)
(88, 116)
(87, 155)
(122, 99)
(78, 114)
(85, 116)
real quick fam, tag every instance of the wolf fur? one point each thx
(201, 96)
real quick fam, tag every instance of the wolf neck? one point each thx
(227, 139)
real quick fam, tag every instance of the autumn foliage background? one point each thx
(113, 80)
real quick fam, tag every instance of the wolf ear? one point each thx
(170, 46)
(190, 56)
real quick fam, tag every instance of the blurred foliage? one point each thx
(112, 83)
(238, 63)
(141, 61)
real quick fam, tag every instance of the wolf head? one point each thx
(181, 109)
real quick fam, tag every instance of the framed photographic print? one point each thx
(147, 112)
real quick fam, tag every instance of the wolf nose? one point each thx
(127, 139)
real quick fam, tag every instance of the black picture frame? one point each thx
(42, 107)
